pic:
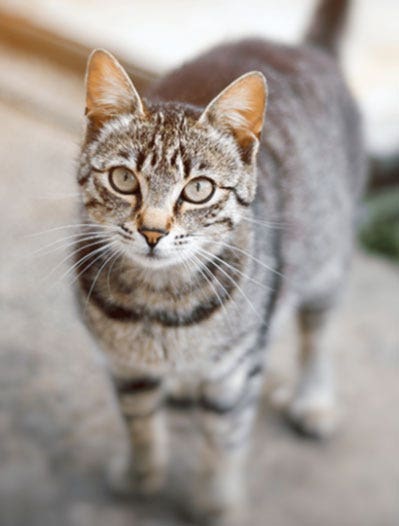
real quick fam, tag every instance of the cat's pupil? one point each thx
(198, 190)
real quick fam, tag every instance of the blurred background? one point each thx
(58, 425)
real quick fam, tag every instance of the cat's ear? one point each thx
(109, 90)
(240, 109)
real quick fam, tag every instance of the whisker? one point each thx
(107, 260)
(74, 195)
(79, 248)
(118, 256)
(60, 243)
(209, 280)
(77, 263)
(248, 254)
(101, 251)
(268, 224)
(104, 226)
(238, 287)
(233, 268)
(199, 265)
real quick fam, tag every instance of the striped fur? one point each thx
(276, 235)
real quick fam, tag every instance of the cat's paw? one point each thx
(218, 504)
(124, 480)
(150, 482)
(213, 512)
(119, 477)
(313, 418)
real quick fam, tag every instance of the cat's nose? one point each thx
(152, 235)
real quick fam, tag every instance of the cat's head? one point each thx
(166, 179)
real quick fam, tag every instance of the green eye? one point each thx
(198, 190)
(123, 180)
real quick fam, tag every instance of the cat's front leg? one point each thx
(141, 404)
(313, 407)
(227, 408)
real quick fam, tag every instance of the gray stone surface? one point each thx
(59, 427)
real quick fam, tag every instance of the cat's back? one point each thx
(201, 79)
(308, 99)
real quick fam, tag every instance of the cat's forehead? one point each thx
(162, 129)
(167, 142)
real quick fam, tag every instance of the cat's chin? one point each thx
(154, 261)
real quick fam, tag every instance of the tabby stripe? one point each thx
(181, 403)
(146, 414)
(140, 160)
(186, 161)
(187, 403)
(154, 158)
(255, 371)
(136, 385)
(151, 144)
(227, 221)
(252, 351)
(239, 199)
(187, 167)
(93, 203)
(214, 406)
(83, 180)
(174, 158)
(164, 318)
(124, 153)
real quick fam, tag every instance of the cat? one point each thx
(205, 218)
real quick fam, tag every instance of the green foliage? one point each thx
(380, 228)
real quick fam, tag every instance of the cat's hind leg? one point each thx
(141, 404)
(312, 410)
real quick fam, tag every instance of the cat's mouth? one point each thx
(151, 254)
(154, 259)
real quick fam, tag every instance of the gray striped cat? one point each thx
(204, 224)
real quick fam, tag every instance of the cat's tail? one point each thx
(327, 25)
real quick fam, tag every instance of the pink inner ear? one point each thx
(241, 107)
(244, 105)
(109, 90)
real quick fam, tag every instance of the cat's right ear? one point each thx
(240, 109)
(109, 90)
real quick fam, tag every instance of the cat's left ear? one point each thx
(240, 109)
(109, 90)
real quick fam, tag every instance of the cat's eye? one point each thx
(123, 180)
(199, 190)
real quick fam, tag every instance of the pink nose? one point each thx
(152, 235)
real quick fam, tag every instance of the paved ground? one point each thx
(58, 427)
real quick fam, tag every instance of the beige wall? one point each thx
(158, 34)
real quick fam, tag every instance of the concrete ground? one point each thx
(58, 425)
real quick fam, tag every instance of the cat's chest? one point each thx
(149, 346)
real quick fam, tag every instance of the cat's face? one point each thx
(166, 180)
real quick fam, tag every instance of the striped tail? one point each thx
(327, 25)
